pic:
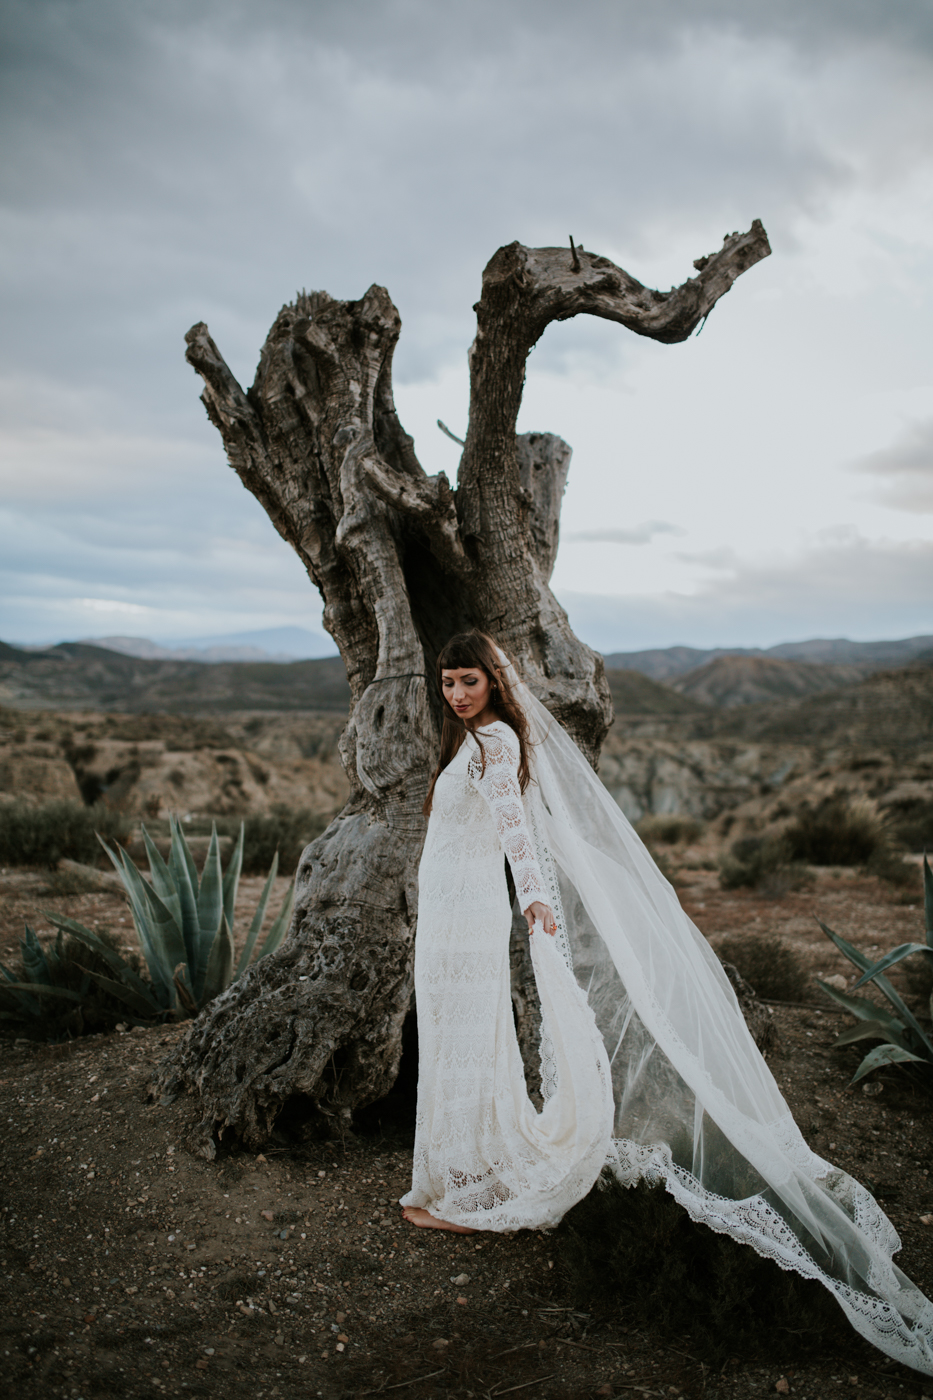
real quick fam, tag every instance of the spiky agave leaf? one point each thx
(35, 964)
(160, 937)
(884, 1055)
(861, 1007)
(871, 1030)
(881, 982)
(30, 1006)
(126, 975)
(258, 917)
(279, 927)
(219, 972)
(210, 919)
(896, 955)
(232, 876)
(185, 874)
(162, 881)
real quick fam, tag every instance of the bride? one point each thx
(647, 1066)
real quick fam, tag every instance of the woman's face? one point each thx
(468, 691)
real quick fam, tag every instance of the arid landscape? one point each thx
(134, 1268)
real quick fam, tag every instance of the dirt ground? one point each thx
(130, 1268)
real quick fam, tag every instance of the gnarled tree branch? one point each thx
(401, 562)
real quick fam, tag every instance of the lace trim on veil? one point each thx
(753, 1221)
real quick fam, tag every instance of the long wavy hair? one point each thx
(476, 650)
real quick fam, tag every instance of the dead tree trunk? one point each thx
(402, 561)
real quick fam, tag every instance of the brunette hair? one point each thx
(477, 651)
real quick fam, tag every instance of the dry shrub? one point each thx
(638, 1252)
(769, 964)
(57, 831)
(284, 830)
(837, 832)
(912, 825)
(670, 830)
(765, 863)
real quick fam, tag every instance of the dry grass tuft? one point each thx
(768, 964)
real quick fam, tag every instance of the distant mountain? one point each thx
(887, 711)
(74, 676)
(635, 694)
(663, 663)
(280, 644)
(750, 680)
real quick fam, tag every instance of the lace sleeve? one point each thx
(498, 784)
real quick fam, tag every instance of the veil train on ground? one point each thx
(695, 1106)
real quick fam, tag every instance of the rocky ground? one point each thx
(133, 1269)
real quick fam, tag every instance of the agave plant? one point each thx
(904, 1039)
(185, 928)
(40, 980)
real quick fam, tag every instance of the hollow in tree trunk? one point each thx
(402, 561)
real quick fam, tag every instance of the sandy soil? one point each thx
(133, 1269)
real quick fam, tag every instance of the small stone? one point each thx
(283, 1234)
(339, 1346)
(261, 1157)
(604, 1390)
(340, 1317)
(247, 1312)
(201, 1365)
(267, 1214)
(280, 1339)
(461, 1279)
(782, 1387)
(926, 1220)
(272, 1308)
(90, 1318)
(342, 1337)
(189, 1245)
(462, 1302)
(208, 1351)
(441, 1344)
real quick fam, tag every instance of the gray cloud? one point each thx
(844, 586)
(167, 163)
(905, 470)
(639, 534)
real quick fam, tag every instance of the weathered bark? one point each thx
(402, 561)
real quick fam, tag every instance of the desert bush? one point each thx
(57, 831)
(692, 1283)
(765, 863)
(889, 865)
(670, 830)
(53, 993)
(912, 826)
(284, 830)
(837, 832)
(771, 966)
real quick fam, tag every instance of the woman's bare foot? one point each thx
(416, 1216)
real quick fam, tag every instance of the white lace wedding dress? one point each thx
(647, 1066)
(484, 1156)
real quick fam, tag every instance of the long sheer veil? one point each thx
(696, 1107)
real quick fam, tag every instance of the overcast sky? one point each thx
(164, 163)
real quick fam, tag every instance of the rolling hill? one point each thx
(748, 680)
(74, 676)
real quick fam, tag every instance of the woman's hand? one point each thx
(542, 912)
